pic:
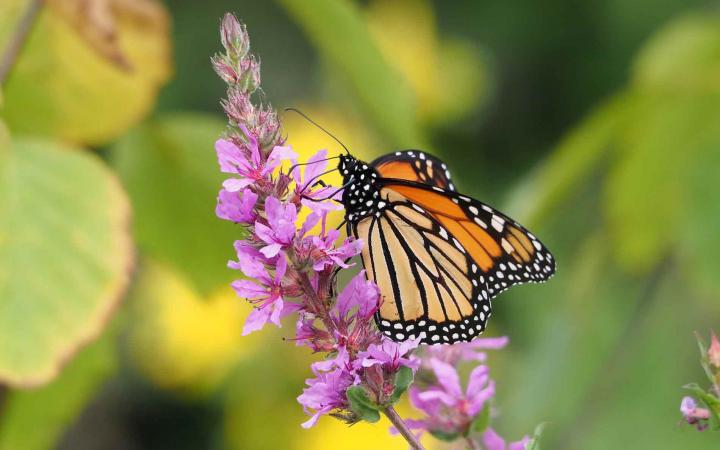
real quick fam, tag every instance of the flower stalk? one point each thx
(18, 38)
(402, 428)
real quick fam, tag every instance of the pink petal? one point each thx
(236, 184)
(492, 441)
(255, 321)
(249, 289)
(447, 376)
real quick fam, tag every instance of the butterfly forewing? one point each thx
(416, 166)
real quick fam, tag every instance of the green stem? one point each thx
(402, 427)
(18, 38)
(472, 445)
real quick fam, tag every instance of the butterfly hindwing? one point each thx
(428, 286)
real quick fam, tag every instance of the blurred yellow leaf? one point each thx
(65, 254)
(684, 56)
(446, 76)
(180, 340)
(67, 81)
(97, 22)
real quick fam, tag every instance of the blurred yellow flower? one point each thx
(447, 76)
(179, 340)
(330, 434)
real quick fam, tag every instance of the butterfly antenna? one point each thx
(308, 163)
(317, 125)
(333, 194)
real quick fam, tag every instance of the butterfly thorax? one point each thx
(361, 195)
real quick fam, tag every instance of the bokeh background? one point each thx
(595, 123)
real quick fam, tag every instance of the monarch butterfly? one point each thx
(439, 257)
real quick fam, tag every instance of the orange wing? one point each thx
(506, 253)
(416, 166)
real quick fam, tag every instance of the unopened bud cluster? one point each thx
(241, 71)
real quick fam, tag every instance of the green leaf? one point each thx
(481, 421)
(704, 361)
(534, 443)
(684, 56)
(65, 255)
(36, 419)
(361, 404)
(338, 31)
(643, 202)
(170, 170)
(700, 246)
(571, 164)
(62, 86)
(444, 436)
(403, 379)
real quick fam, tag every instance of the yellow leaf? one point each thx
(65, 84)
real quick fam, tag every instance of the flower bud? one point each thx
(234, 36)
(249, 74)
(224, 70)
(238, 107)
(714, 352)
(268, 128)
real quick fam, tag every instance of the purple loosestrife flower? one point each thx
(326, 392)
(327, 255)
(492, 441)
(267, 294)
(246, 160)
(361, 294)
(693, 415)
(280, 231)
(390, 355)
(236, 207)
(294, 270)
(449, 410)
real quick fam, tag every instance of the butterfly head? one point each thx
(361, 195)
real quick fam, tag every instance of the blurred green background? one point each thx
(594, 123)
